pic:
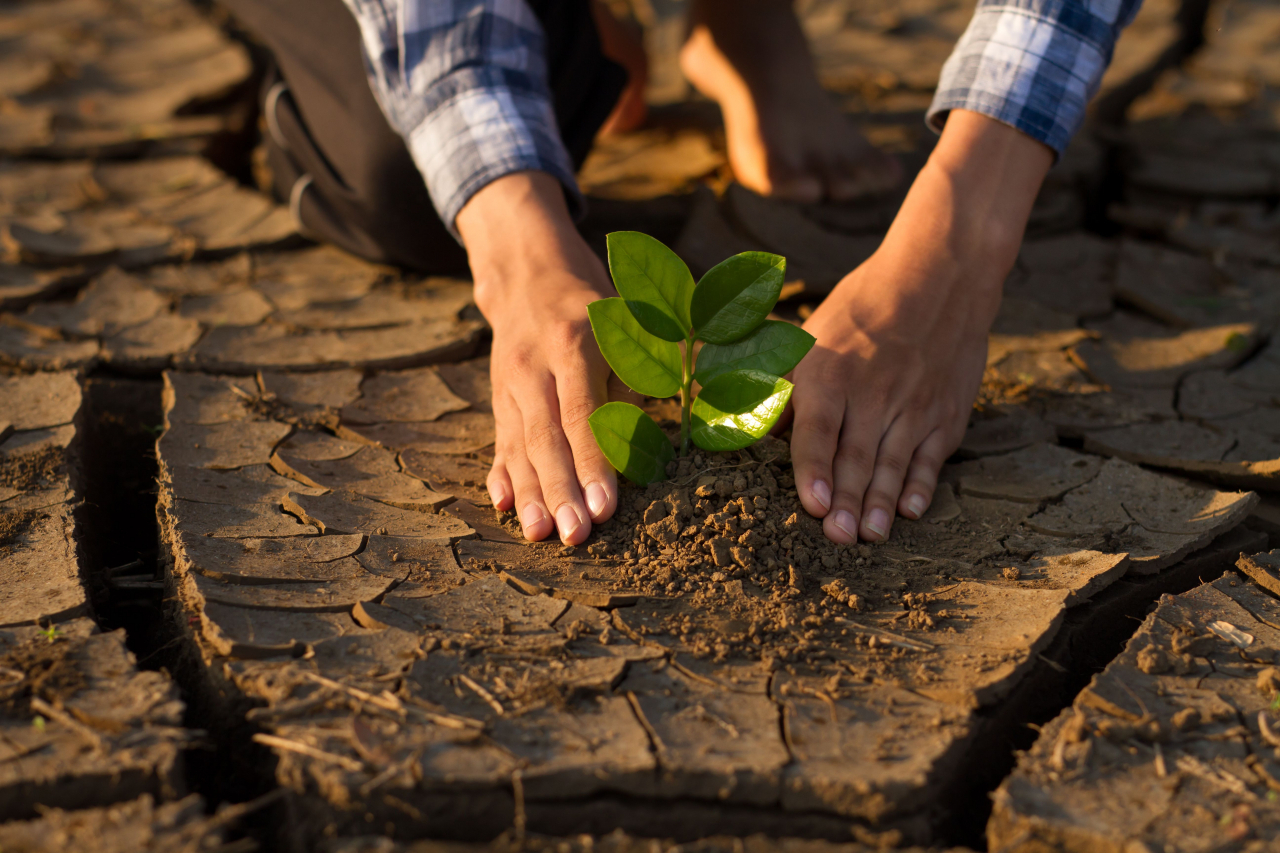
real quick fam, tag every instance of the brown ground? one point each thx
(338, 588)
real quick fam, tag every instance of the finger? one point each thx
(922, 474)
(527, 494)
(581, 392)
(892, 458)
(499, 485)
(547, 450)
(854, 461)
(814, 437)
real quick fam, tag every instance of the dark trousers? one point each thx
(335, 160)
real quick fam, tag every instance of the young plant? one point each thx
(648, 333)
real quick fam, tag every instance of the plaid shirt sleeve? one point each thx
(1033, 64)
(465, 83)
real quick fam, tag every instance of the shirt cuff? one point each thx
(479, 133)
(1025, 69)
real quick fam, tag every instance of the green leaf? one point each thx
(632, 442)
(655, 282)
(775, 347)
(736, 295)
(738, 408)
(647, 364)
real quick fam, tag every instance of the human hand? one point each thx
(884, 396)
(534, 276)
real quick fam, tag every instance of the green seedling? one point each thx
(38, 723)
(52, 634)
(648, 334)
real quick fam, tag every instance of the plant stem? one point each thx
(686, 395)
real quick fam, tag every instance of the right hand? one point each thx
(534, 276)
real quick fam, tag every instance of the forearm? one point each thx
(971, 202)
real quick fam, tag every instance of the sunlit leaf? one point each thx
(736, 295)
(775, 347)
(738, 408)
(655, 282)
(647, 364)
(632, 442)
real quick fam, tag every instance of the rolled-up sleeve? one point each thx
(465, 83)
(1033, 64)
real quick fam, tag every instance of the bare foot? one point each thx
(786, 137)
(623, 42)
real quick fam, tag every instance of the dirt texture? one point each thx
(40, 582)
(317, 309)
(112, 78)
(708, 647)
(362, 632)
(614, 842)
(138, 826)
(1170, 747)
(80, 725)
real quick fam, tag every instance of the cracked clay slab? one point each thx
(864, 751)
(371, 471)
(586, 743)
(234, 444)
(710, 744)
(1034, 474)
(253, 484)
(486, 608)
(1262, 569)
(406, 395)
(1162, 743)
(541, 570)
(40, 583)
(1134, 352)
(457, 433)
(236, 521)
(336, 595)
(426, 567)
(350, 513)
(40, 400)
(459, 476)
(115, 733)
(1157, 518)
(254, 562)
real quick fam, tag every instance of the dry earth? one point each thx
(361, 646)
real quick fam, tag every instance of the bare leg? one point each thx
(623, 42)
(786, 137)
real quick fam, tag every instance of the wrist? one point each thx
(518, 229)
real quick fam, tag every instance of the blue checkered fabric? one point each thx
(465, 83)
(1033, 64)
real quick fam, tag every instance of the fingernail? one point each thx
(878, 522)
(498, 494)
(531, 515)
(597, 499)
(847, 524)
(567, 521)
(821, 493)
(916, 505)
